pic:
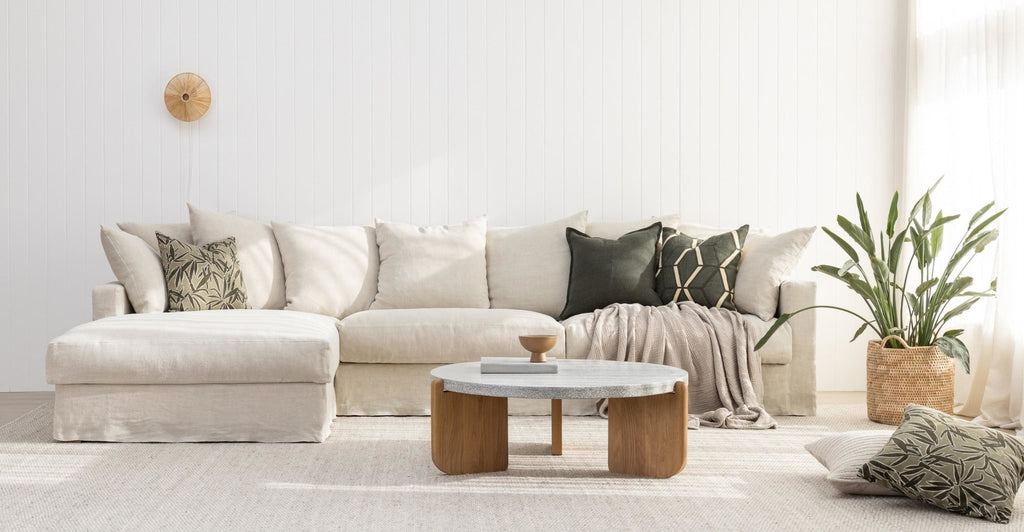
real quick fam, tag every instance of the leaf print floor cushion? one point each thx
(953, 464)
(206, 277)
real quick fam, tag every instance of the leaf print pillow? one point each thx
(205, 277)
(953, 464)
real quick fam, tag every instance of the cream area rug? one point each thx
(376, 474)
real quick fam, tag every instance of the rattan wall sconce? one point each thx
(187, 97)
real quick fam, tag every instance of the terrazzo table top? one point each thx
(576, 379)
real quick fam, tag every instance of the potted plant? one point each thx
(912, 361)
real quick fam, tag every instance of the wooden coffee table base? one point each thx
(468, 433)
(646, 435)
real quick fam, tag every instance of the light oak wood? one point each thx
(468, 433)
(538, 345)
(556, 427)
(187, 97)
(647, 435)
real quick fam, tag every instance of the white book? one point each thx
(517, 365)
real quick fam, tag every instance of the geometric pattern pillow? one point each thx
(953, 464)
(205, 277)
(701, 271)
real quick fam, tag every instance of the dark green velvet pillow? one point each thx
(702, 271)
(603, 271)
(953, 464)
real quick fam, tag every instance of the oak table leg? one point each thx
(647, 435)
(556, 427)
(468, 433)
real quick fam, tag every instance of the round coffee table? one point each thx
(647, 413)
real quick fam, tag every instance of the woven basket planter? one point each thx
(896, 377)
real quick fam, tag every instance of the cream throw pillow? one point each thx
(328, 270)
(766, 261)
(137, 267)
(613, 230)
(843, 455)
(148, 231)
(528, 267)
(443, 266)
(258, 254)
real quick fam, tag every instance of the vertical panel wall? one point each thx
(769, 112)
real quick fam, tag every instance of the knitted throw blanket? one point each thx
(713, 345)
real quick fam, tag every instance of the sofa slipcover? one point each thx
(441, 335)
(217, 346)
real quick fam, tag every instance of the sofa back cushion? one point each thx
(148, 231)
(137, 267)
(528, 267)
(443, 266)
(328, 270)
(616, 229)
(258, 254)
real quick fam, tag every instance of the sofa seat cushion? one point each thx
(441, 335)
(778, 350)
(207, 347)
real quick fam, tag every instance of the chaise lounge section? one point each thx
(219, 375)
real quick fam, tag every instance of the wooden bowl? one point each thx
(538, 345)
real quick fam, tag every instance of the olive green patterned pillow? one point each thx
(953, 464)
(702, 271)
(205, 277)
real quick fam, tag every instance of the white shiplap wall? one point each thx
(771, 113)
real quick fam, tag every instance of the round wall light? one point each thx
(187, 97)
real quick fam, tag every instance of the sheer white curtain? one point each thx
(965, 121)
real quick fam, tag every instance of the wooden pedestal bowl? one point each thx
(538, 345)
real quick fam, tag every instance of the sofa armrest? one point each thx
(803, 381)
(110, 299)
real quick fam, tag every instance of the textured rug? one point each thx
(376, 474)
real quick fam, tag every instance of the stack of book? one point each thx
(517, 365)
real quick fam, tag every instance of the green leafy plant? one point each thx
(918, 313)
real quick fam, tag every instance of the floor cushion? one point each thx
(204, 347)
(441, 335)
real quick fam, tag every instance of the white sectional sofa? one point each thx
(283, 375)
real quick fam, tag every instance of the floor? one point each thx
(15, 404)
(393, 485)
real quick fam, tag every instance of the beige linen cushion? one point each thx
(328, 270)
(528, 267)
(766, 261)
(148, 231)
(258, 254)
(432, 267)
(614, 230)
(843, 455)
(137, 267)
(441, 335)
(209, 347)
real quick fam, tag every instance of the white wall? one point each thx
(771, 113)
